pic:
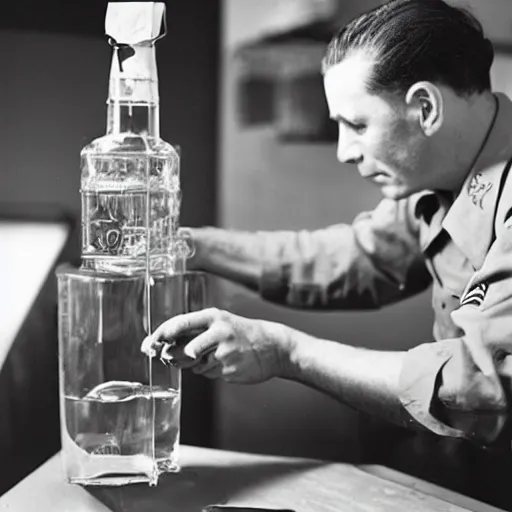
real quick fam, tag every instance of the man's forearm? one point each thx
(234, 255)
(366, 380)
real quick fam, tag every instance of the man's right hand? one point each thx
(238, 349)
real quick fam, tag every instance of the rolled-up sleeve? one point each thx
(461, 387)
(372, 262)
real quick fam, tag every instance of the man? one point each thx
(408, 85)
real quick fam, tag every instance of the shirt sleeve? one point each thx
(375, 261)
(460, 387)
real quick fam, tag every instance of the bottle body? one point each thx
(130, 178)
(130, 204)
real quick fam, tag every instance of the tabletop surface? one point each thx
(211, 477)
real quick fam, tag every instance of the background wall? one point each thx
(267, 185)
(54, 88)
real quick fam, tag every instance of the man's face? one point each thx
(377, 132)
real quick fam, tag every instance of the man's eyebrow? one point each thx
(340, 119)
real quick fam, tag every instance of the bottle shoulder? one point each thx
(127, 144)
(121, 162)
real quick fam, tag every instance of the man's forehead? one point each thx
(350, 76)
(346, 88)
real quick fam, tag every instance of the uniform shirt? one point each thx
(462, 247)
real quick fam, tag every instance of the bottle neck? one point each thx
(133, 102)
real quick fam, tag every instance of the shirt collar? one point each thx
(470, 219)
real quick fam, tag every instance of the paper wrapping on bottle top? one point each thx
(134, 23)
(133, 28)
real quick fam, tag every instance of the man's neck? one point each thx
(474, 118)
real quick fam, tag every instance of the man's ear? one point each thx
(425, 100)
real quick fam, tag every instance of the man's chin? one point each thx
(394, 193)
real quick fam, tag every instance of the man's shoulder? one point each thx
(489, 177)
(503, 207)
(473, 219)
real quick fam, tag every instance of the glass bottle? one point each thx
(130, 177)
(120, 410)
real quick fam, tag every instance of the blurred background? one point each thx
(241, 94)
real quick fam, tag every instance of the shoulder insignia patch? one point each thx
(475, 296)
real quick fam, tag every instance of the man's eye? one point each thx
(359, 128)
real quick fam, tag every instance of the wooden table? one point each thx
(220, 477)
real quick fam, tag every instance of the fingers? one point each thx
(197, 348)
(202, 344)
(193, 340)
(214, 373)
(176, 326)
(207, 364)
(179, 324)
(151, 348)
(181, 356)
(172, 354)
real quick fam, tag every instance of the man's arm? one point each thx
(373, 262)
(453, 387)
(248, 351)
(462, 387)
(234, 255)
(366, 380)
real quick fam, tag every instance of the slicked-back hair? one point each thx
(416, 40)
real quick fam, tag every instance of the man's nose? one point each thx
(349, 151)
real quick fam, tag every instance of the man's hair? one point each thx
(416, 40)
